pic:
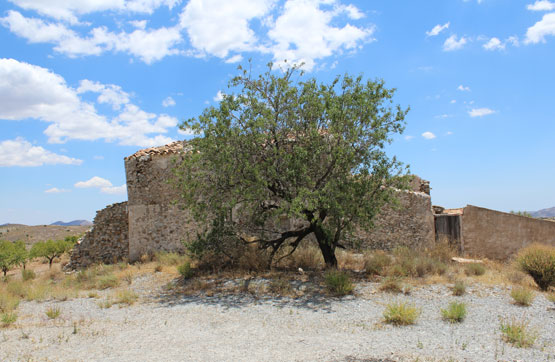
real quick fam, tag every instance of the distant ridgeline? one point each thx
(73, 223)
(151, 221)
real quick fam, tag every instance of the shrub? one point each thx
(401, 314)
(522, 296)
(454, 313)
(27, 274)
(53, 312)
(338, 282)
(391, 285)
(459, 288)
(551, 297)
(8, 302)
(377, 263)
(518, 333)
(107, 281)
(185, 270)
(8, 318)
(539, 262)
(475, 269)
(126, 296)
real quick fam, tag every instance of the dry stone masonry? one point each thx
(107, 241)
(151, 221)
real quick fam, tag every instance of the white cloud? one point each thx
(452, 43)
(303, 33)
(96, 182)
(218, 97)
(448, 133)
(168, 102)
(98, 157)
(428, 135)
(71, 10)
(234, 59)
(114, 190)
(220, 27)
(538, 32)
(149, 45)
(453, 101)
(20, 152)
(438, 29)
(408, 138)
(30, 91)
(55, 190)
(480, 112)
(541, 5)
(462, 88)
(494, 44)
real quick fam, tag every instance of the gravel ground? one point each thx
(244, 328)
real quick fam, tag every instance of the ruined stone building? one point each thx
(151, 221)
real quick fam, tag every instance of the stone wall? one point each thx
(499, 235)
(411, 224)
(107, 242)
(156, 223)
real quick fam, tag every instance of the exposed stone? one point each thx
(107, 242)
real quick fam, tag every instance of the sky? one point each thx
(85, 83)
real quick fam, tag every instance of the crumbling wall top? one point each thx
(171, 148)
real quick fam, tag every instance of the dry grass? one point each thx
(518, 333)
(401, 314)
(522, 296)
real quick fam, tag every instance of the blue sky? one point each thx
(84, 83)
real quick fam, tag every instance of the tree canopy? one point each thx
(50, 249)
(284, 148)
(12, 254)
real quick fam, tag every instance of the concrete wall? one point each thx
(499, 235)
(107, 242)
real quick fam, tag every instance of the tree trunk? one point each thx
(327, 247)
(50, 263)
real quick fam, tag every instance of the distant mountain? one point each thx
(544, 213)
(73, 223)
(11, 224)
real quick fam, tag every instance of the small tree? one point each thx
(12, 255)
(50, 249)
(21, 253)
(281, 147)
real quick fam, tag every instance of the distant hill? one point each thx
(73, 223)
(544, 213)
(10, 224)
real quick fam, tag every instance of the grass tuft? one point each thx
(8, 318)
(475, 269)
(377, 263)
(401, 314)
(459, 288)
(126, 296)
(338, 283)
(185, 270)
(107, 281)
(27, 275)
(393, 285)
(454, 313)
(518, 333)
(53, 312)
(522, 296)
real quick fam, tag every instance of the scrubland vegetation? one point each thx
(39, 277)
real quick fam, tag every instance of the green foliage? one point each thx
(518, 333)
(53, 312)
(411, 263)
(401, 314)
(522, 296)
(12, 254)
(459, 288)
(539, 262)
(551, 297)
(185, 270)
(126, 296)
(338, 283)
(475, 269)
(286, 148)
(8, 318)
(454, 313)
(521, 213)
(107, 281)
(50, 249)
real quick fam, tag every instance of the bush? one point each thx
(8, 302)
(454, 313)
(338, 282)
(522, 296)
(401, 314)
(392, 285)
(459, 288)
(126, 296)
(27, 274)
(377, 263)
(539, 262)
(551, 297)
(185, 270)
(518, 333)
(8, 318)
(475, 269)
(53, 312)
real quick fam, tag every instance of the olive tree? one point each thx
(279, 147)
